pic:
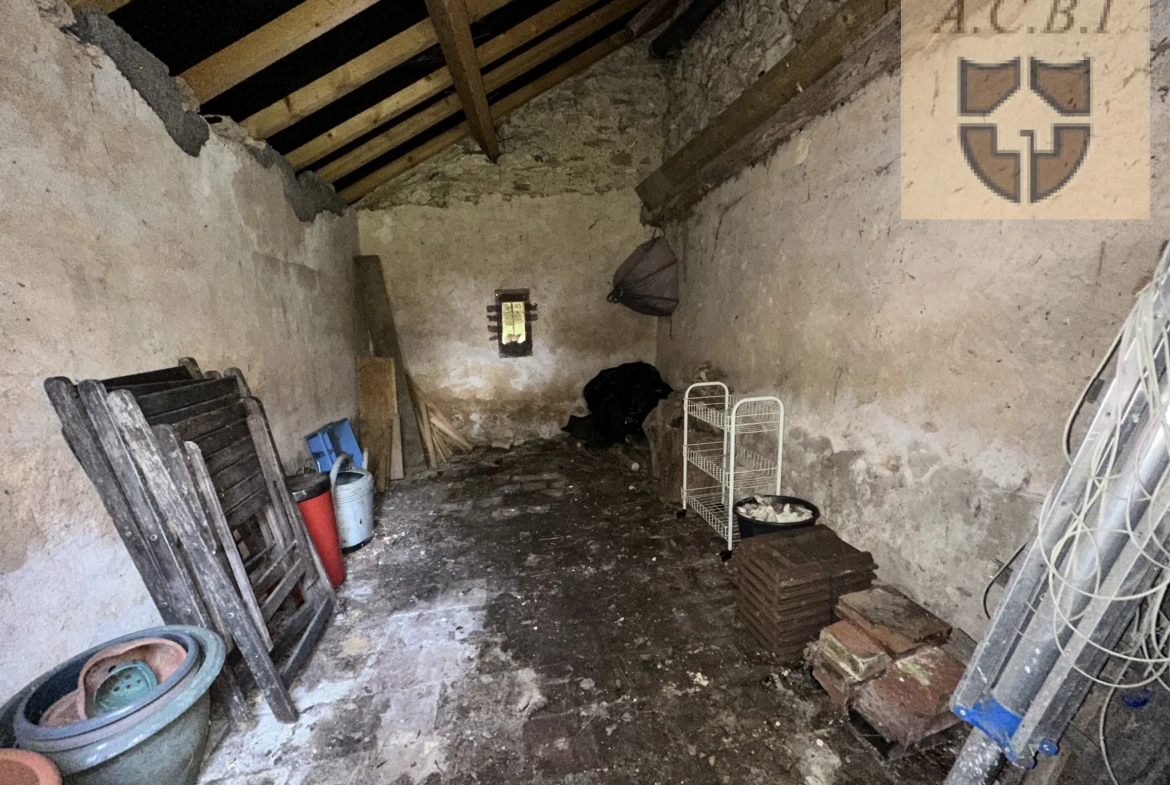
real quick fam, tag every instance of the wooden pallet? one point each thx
(186, 466)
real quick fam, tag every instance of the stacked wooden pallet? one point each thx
(186, 466)
(789, 584)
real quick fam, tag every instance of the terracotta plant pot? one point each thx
(20, 767)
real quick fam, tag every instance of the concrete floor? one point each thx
(537, 616)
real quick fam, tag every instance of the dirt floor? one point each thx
(536, 615)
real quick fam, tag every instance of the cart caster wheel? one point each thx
(681, 514)
(726, 555)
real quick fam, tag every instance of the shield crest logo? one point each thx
(984, 88)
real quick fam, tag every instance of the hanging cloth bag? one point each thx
(647, 281)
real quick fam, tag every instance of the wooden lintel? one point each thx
(499, 109)
(453, 29)
(263, 47)
(841, 56)
(493, 80)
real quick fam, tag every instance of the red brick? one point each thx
(892, 619)
(909, 701)
(838, 692)
(854, 653)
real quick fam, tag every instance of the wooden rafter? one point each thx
(434, 83)
(494, 79)
(108, 6)
(453, 29)
(499, 109)
(351, 75)
(263, 47)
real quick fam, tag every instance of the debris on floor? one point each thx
(884, 660)
(789, 583)
(588, 637)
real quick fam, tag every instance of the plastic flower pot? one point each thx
(61, 682)
(160, 744)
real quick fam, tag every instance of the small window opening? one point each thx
(510, 322)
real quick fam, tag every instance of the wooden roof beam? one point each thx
(453, 29)
(351, 75)
(493, 80)
(434, 83)
(261, 48)
(501, 108)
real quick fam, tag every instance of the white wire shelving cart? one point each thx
(728, 470)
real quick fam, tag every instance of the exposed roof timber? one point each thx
(348, 77)
(341, 81)
(263, 47)
(434, 83)
(494, 79)
(501, 108)
(108, 6)
(842, 55)
(453, 29)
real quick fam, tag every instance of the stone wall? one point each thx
(557, 214)
(927, 367)
(739, 42)
(120, 252)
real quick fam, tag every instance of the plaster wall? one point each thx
(557, 215)
(927, 367)
(120, 253)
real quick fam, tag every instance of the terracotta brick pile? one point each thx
(788, 584)
(884, 661)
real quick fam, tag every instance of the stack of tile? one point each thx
(884, 660)
(789, 583)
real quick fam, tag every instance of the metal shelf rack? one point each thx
(729, 470)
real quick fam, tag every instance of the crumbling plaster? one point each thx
(557, 214)
(120, 252)
(927, 367)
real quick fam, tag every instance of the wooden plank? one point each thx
(434, 83)
(219, 526)
(509, 103)
(165, 401)
(147, 447)
(289, 582)
(231, 498)
(377, 405)
(405, 163)
(174, 603)
(397, 467)
(179, 373)
(212, 442)
(493, 80)
(265, 579)
(842, 55)
(246, 508)
(308, 642)
(378, 316)
(453, 29)
(235, 452)
(194, 429)
(341, 81)
(385, 142)
(229, 477)
(283, 504)
(653, 14)
(258, 50)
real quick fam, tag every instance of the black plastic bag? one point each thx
(647, 281)
(619, 400)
